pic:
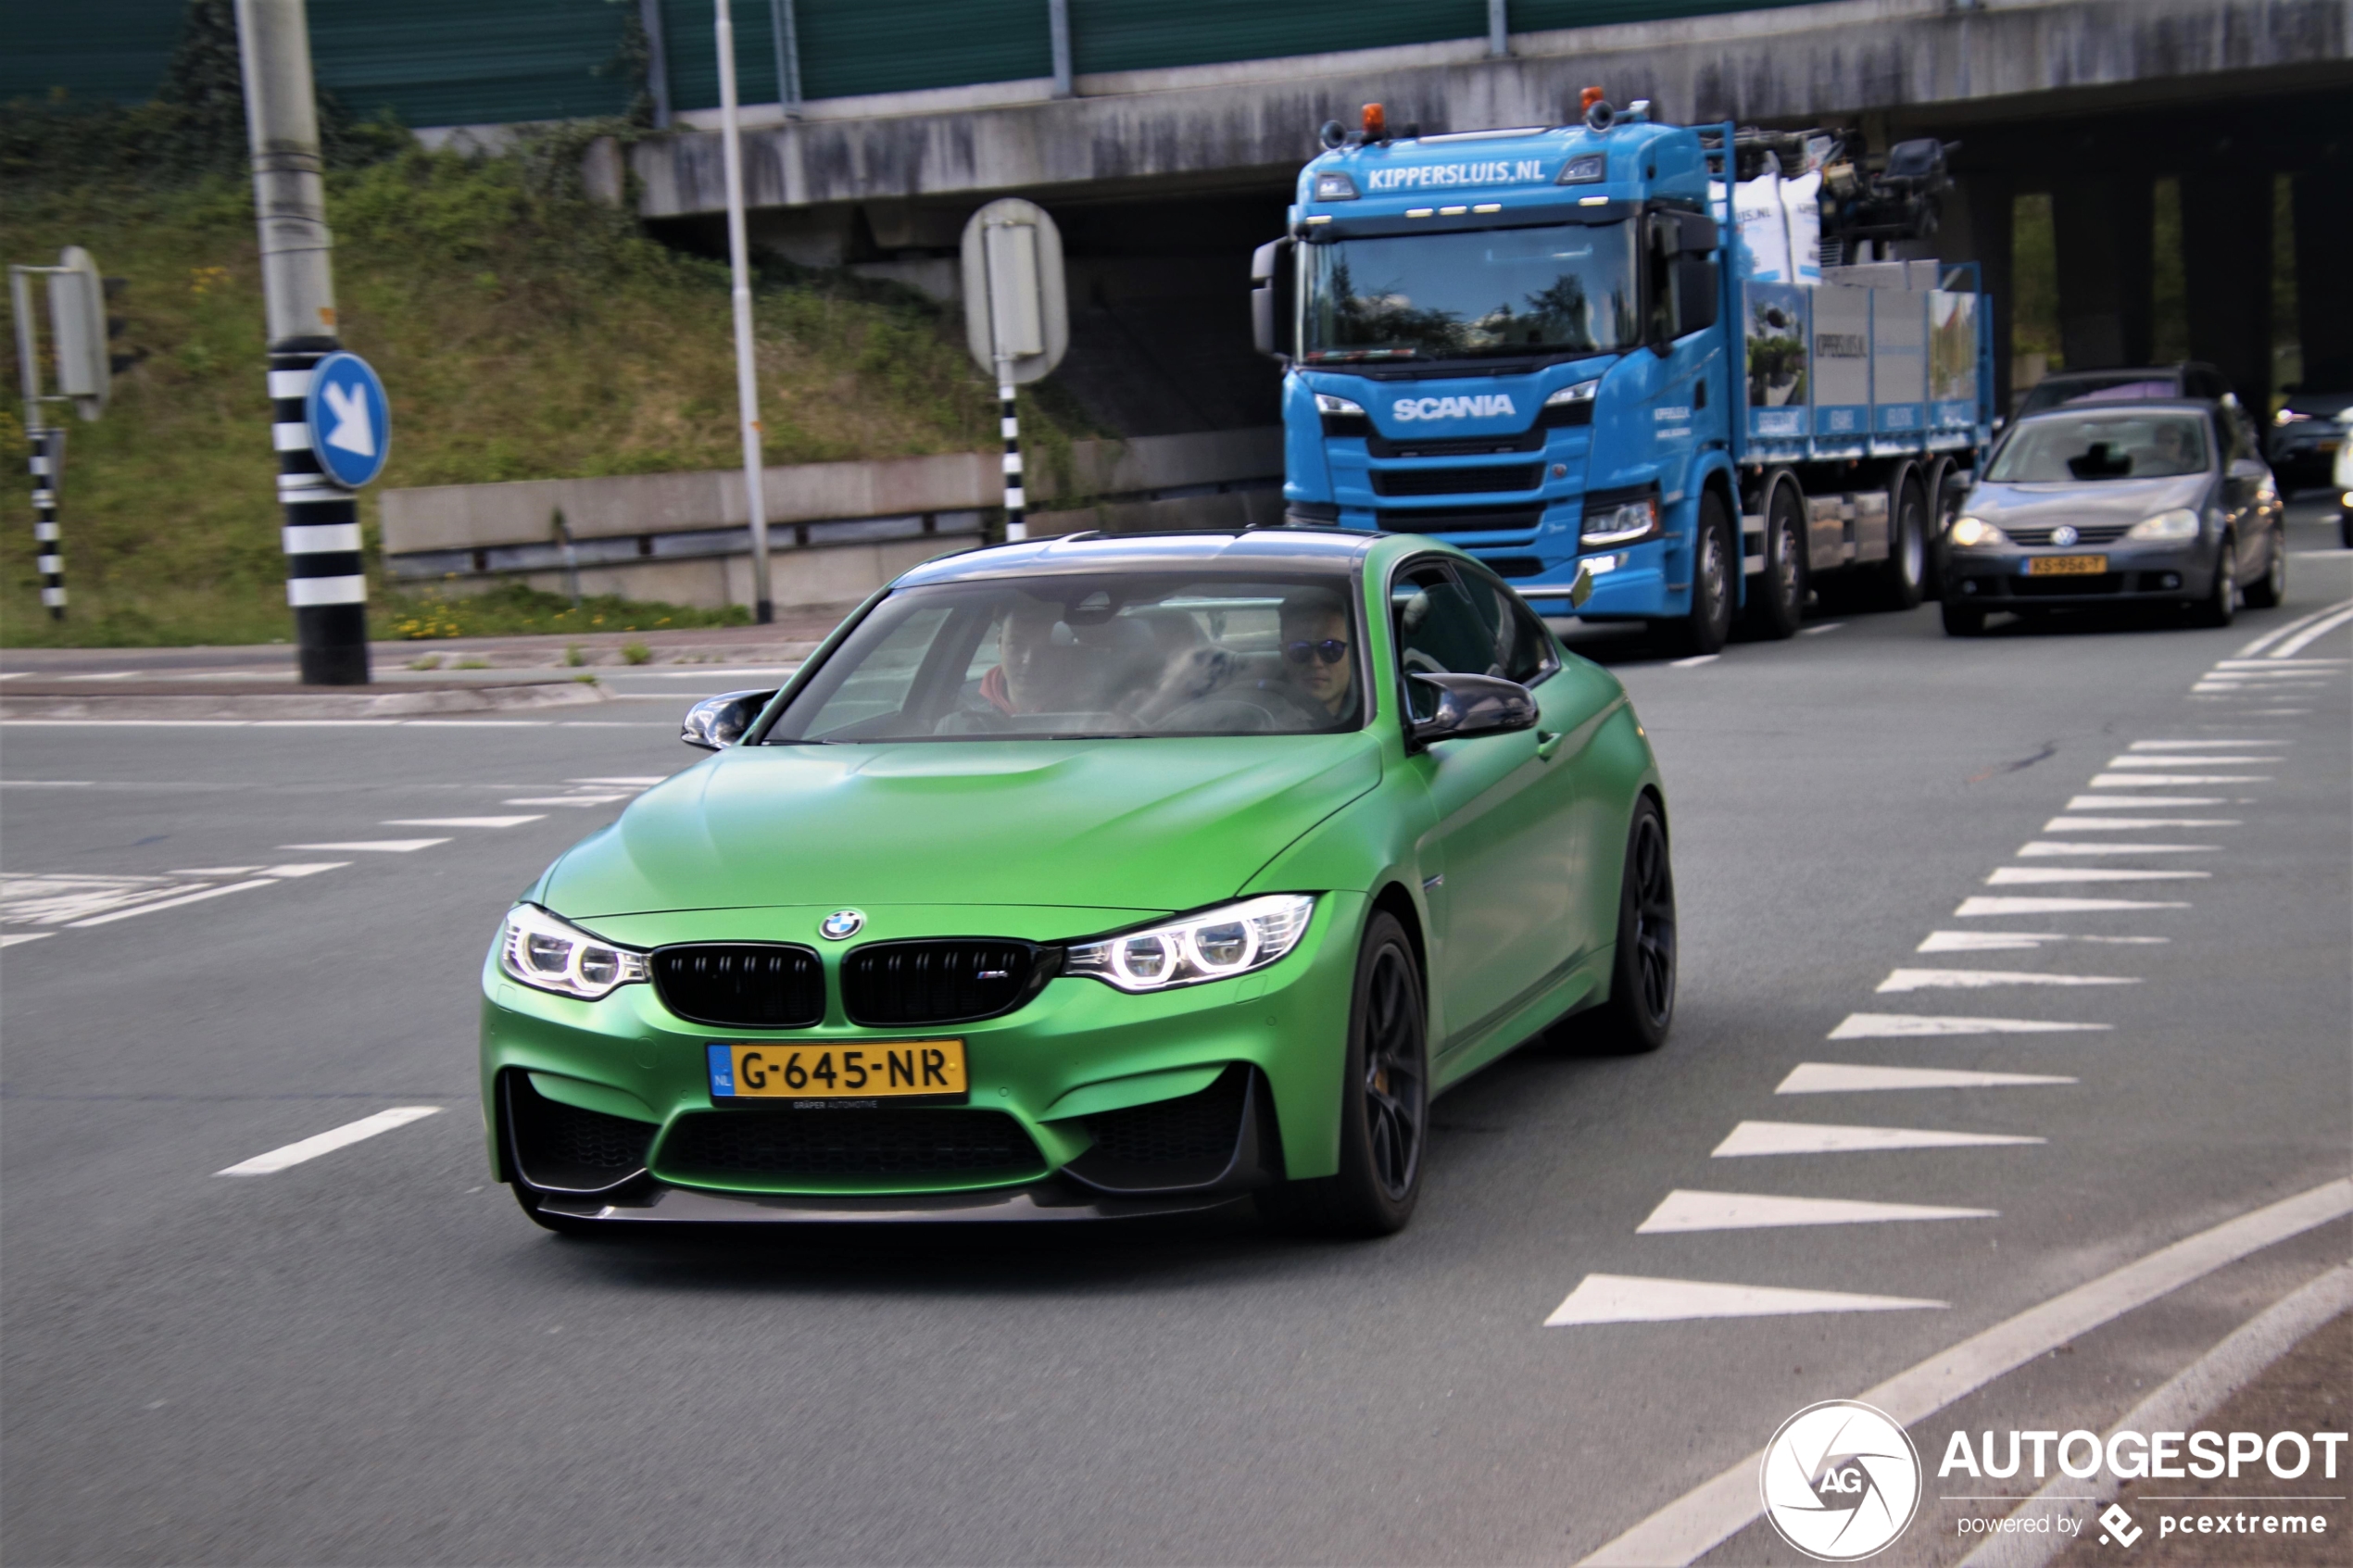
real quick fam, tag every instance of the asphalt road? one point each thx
(371, 1356)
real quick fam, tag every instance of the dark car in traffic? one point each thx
(2086, 505)
(2134, 383)
(2305, 433)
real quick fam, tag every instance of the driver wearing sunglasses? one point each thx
(1316, 653)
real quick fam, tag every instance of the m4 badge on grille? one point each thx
(841, 925)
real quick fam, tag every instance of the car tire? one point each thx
(1776, 600)
(2344, 528)
(2220, 606)
(2270, 591)
(1905, 575)
(1642, 982)
(1384, 1109)
(1715, 565)
(529, 1198)
(1962, 619)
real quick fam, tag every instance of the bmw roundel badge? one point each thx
(841, 925)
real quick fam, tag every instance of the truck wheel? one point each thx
(1962, 620)
(1706, 629)
(1907, 568)
(2270, 590)
(1777, 598)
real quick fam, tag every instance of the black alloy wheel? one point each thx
(2270, 591)
(2220, 607)
(1777, 605)
(1901, 578)
(1384, 1102)
(1709, 624)
(1642, 990)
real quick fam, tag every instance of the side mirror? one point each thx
(1273, 272)
(719, 721)
(1452, 707)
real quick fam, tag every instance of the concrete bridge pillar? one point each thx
(2226, 264)
(2102, 230)
(1978, 228)
(2324, 304)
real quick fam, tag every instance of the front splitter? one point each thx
(1050, 1201)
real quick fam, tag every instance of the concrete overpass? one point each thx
(1163, 179)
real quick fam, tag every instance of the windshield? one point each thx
(2097, 446)
(2050, 394)
(1568, 288)
(1143, 653)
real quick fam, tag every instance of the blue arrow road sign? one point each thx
(350, 421)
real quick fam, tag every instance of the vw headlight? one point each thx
(1973, 533)
(2179, 523)
(553, 955)
(1215, 945)
(1326, 404)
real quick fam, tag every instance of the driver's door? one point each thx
(1492, 875)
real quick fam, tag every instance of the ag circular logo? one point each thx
(1840, 1481)
(841, 925)
(2064, 535)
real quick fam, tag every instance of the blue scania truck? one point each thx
(1553, 346)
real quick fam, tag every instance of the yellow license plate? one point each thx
(829, 1070)
(2066, 565)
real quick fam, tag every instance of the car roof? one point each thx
(1238, 552)
(2128, 373)
(2121, 405)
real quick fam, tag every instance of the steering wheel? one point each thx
(1245, 711)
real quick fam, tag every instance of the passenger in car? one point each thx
(1316, 650)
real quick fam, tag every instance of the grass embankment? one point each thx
(523, 332)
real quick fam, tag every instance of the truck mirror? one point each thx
(1273, 289)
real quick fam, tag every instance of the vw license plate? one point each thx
(797, 1070)
(2066, 565)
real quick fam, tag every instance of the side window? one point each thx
(1523, 649)
(1438, 628)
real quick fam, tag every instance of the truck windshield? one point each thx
(1568, 288)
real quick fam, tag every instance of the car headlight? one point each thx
(1974, 532)
(2289, 417)
(1217, 945)
(1326, 404)
(2179, 523)
(553, 955)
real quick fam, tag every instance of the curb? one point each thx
(253, 699)
(2195, 1392)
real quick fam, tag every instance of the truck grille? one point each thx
(742, 985)
(847, 1143)
(1461, 520)
(888, 984)
(1531, 440)
(2090, 533)
(1457, 481)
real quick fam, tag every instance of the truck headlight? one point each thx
(1621, 522)
(1326, 404)
(2179, 523)
(1215, 945)
(1975, 532)
(553, 955)
(1334, 186)
(1582, 393)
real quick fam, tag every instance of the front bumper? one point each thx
(604, 1109)
(1999, 579)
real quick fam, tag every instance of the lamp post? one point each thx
(740, 265)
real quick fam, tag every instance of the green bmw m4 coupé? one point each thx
(1090, 878)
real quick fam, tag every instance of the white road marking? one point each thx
(1979, 979)
(2143, 781)
(1685, 1211)
(1695, 662)
(47, 784)
(2188, 761)
(1752, 1139)
(478, 723)
(696, 672)
(461, 822)
(374, 846)
(642, 782)
(1717, 1509)
(328, 1142)
(1817, 631)
(2111, 824)
(311, 868)
(215, 871)
(2322, 665)
(1838, 1078)
(12, 939)
(2247, 653)
(2045, 847)
(1988, 904)
(2110, 802)
(2018, 876)
(2309, 636)
(2000, 941)
(324, 723)
(2199, 745)
(1633, 1299)
(172, 903)
(317, 723)
(1913, 1026)
(564, 800)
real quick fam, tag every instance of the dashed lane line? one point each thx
(1695, 662)
(2199, 745)
(13, 939)
(176, 903)
(1817, 631)
(2163, 761)
(2171, 781)
(373, 845)
(328, 1142)
(1980, 979)
(462, 821)
(1606, 1298)
(1713, 1511)
(1986, 904)
(2045, 847)
(2160, 802)
(564, 800)
(1918, 1026)
(2114, 824)
(1683, 1210)
(2019, 941)
(1752, 1139)
(2017, 876)
(1840, 1077)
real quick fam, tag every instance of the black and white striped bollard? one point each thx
(326, 580)
(49, 549)
(1009, 424)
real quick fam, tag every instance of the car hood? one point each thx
(2106, 500)
(1121, 824)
